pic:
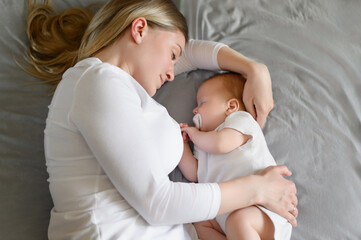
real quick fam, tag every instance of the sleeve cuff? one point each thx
(216, 201)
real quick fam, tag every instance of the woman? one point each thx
(109, 146)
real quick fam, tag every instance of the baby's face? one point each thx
(212, 105)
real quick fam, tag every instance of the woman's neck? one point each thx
(114, 54)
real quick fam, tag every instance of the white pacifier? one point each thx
(197, 119)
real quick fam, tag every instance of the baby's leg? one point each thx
(209, 230)
(249, 223)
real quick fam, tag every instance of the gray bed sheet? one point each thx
(313, 51)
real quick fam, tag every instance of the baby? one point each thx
(229, 143)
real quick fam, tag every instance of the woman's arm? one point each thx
(199, 54)
(210, 55)
(110, 118)
(268, 188)
(188, 164)
(257, 93)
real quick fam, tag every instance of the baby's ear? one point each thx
(232, 106)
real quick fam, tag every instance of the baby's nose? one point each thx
(195, 110)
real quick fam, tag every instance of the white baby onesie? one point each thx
(244, 160)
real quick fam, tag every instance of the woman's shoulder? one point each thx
(99, 74)
(95, 68)
(96, 77)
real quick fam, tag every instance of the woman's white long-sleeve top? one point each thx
(109, 149)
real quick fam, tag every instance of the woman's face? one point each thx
(212, 105)
(159, 51)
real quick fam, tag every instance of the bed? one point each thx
(313, 51)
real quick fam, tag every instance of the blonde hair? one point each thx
(58, 41)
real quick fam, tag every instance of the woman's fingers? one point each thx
(258, 113)
(292, 218)
(280, 169)
(294, 200)
(261, 118)
(282, 199)
(249, 105)
(257, 93)
(283, 170)
(294, 212)
(290, 213)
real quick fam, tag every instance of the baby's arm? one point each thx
(214, 142)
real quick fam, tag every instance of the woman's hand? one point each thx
(257, 93)
(268, 188)
(278, 194)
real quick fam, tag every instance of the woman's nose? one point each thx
(170, 73)
(195, 110)
(170, 77)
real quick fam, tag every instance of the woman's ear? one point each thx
(232, 106)
(139, 29)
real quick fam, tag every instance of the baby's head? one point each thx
(218, 97)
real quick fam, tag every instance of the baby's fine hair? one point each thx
(59, 40)
(233, 84)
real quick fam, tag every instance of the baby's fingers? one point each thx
(183, 125)
(185, 137)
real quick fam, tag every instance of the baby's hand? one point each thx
(184, 134)
(189, 131)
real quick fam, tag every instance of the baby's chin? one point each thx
(205, 129)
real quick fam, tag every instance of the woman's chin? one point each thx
(152, 92)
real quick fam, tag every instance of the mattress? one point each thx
(313, 52)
